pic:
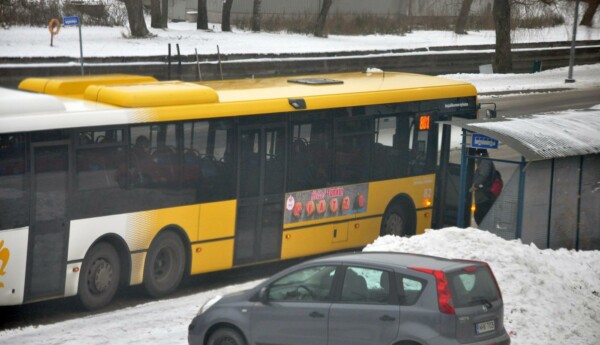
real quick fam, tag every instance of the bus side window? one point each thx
(100, 156)
(310, 160)
(207, 161)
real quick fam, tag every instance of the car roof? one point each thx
(394, 260)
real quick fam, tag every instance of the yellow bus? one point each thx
(116, 180)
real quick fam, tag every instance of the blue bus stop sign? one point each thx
(71, 21)
(481, 141)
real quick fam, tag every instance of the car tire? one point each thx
(99, 277)
(226, 336)
(395, 222)
(164, 265)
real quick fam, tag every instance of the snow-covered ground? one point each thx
(550, 296)
(21, 41)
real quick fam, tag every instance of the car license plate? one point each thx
(484, 327)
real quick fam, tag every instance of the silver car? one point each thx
(361, 298)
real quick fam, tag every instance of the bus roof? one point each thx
(120, 99)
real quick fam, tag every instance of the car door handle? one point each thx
(316, 314)
(387, 318)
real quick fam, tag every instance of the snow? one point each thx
(22, 41)
(550, 296)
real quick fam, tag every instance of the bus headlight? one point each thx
(209, 304)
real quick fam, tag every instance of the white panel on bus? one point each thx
(13, 261)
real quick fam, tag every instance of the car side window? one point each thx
(366, 285)
(307, 284)
(409, 289)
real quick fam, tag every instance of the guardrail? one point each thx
(433, 61)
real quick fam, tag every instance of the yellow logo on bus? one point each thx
(4, 256)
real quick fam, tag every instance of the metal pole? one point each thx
(198, 64)
(460, 219)
(80, 47)
(219, 57)
(572, 57)
(521, 198)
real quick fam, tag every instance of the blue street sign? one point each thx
(71, 21)
(481, 141)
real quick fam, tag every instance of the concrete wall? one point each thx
(260, 65)
(178, 8)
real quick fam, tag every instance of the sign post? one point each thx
(72, 21)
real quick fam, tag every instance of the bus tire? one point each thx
(99, 277)
(395, 221)
(164, 265)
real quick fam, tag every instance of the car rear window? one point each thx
(472, 286)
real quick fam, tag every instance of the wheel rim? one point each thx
(394, 225)
(100, 276)
(163, 263)
(227, 341)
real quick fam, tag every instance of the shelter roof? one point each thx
(547, 136)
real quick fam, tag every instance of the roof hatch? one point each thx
(315, 81)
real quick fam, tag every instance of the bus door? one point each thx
(261, 172)
(448, 181)
(49, 226)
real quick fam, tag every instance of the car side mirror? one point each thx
(263, 295)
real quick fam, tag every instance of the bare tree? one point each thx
(202, 21)
(321, 20)
(588, 16)
(155, 20)
(256, 16)
(226, 18)
(461, 21)
(503, 57)
(135, 14)
(164, 14)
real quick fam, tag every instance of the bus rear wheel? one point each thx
(164, 266)
(99, 277)
(395, 222)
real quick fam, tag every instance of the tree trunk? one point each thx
(135, 14)
(321, 20)
(164, 14)
(461, 21)
(588, 16)
(155, 14)
(503, 57)
(202, 22)
(226, 18)
(256, 16)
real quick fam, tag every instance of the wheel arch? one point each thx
(406, 202)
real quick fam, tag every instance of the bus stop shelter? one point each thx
(553, 197)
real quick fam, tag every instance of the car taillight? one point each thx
(443, 290)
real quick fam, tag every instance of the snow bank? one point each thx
(550, 296)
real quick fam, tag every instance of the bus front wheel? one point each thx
(164, 266)
(99, 277)
(396, 222)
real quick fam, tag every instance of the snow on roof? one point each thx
(21, 102)
(564, 134)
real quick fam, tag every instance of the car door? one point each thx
(367, 312)
(297, 308)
